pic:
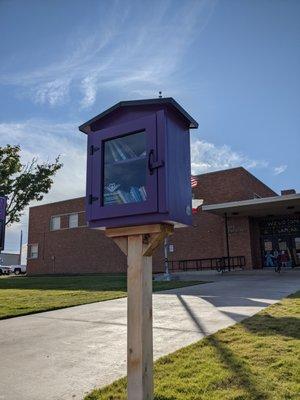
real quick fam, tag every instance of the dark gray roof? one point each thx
(133, 103)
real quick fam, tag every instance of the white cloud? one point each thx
(88, 86)
(143, 55)
(53, 92)
(206, 157)
(280, 169)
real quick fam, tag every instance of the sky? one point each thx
(233, 65)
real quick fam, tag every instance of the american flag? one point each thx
(194, 181)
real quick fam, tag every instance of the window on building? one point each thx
(55, 223)
(33, 251)
(73, 220)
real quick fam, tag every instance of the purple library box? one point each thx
(138, 164)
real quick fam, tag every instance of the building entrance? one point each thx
(280, 241)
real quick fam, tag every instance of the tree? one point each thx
(23, 183)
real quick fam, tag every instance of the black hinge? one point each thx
(92, 199)
(93, 149)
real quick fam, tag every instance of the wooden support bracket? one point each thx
(153, 236)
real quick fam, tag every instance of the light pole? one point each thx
(166, 262)
(21, 244)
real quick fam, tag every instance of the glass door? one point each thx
(122, 183)
(125, 170)
(270, 252)
(285, 256)
(278, 250)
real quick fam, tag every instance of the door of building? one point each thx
(280, 250)
(280, 241)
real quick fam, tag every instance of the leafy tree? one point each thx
(23, 183)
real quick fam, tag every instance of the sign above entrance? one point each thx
(280, 225)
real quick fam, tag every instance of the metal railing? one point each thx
(200, 264)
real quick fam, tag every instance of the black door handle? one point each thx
(152, 165)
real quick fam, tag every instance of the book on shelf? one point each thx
(143, 193)
(113, 198)
(120, 150)
(134, 195)
(129, 153)
(113, 151)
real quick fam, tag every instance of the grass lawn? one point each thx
(27, 295)
(257, 359)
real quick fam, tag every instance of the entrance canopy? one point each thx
(261, 207)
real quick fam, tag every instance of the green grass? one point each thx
(257, 359)
(28, 295)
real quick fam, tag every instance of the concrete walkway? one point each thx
(61, 355)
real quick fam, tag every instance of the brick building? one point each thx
(241, 216)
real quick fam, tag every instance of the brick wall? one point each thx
(255, 243)
(230, 185)
(204, 239)
(240, 239)
(83, 250)
(74, 250)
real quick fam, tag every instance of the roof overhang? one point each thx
(169, 101)
(262, 207)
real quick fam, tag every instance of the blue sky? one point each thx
(234, 65)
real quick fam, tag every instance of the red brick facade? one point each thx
(83, 250)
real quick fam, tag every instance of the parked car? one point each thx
(18, 269)
(4, 270)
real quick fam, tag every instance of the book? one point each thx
(113, 151)
(143, 193)
(112, 198)
(135, 193)
(121, 150)
(122, 195)
(127, 150)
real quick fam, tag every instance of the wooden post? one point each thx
(139, 243)
(139, 321)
